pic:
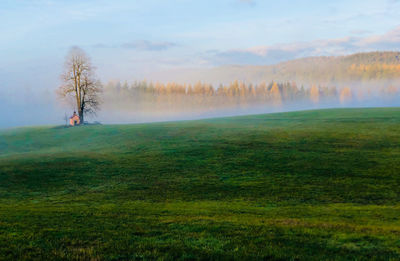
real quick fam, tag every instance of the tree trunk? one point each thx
(81, 116)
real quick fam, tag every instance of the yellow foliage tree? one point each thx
(275, 94)
(314, 94)
(345, 95)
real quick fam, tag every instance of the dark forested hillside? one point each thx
(372, 58)
(373, 66)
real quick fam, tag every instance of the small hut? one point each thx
(74, 120)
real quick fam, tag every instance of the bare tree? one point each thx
(80, 83)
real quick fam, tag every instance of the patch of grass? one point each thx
(312, 185)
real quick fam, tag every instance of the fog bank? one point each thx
(140, 102)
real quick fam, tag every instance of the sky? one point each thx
(130, 39)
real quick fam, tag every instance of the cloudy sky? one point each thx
(130, 39)
(136, 39)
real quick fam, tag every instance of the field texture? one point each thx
(313, 185)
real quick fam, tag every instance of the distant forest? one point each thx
(172, 97)
(347, 80)
(362, 67)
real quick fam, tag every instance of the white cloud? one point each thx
(270, 54)
(144, 45)
(390, 40)
(140, 45)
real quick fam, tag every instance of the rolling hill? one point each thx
(308, 185)
(324, 70)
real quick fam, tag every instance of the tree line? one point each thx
(143, 95)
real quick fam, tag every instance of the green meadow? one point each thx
(309, 185)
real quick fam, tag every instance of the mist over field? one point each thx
(125, 104)
(130, 103)
(360, 80)
(142, 102)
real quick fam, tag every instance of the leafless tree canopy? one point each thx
(79, 83)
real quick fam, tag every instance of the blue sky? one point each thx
(135, 39)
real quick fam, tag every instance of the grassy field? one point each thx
(312, 185)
